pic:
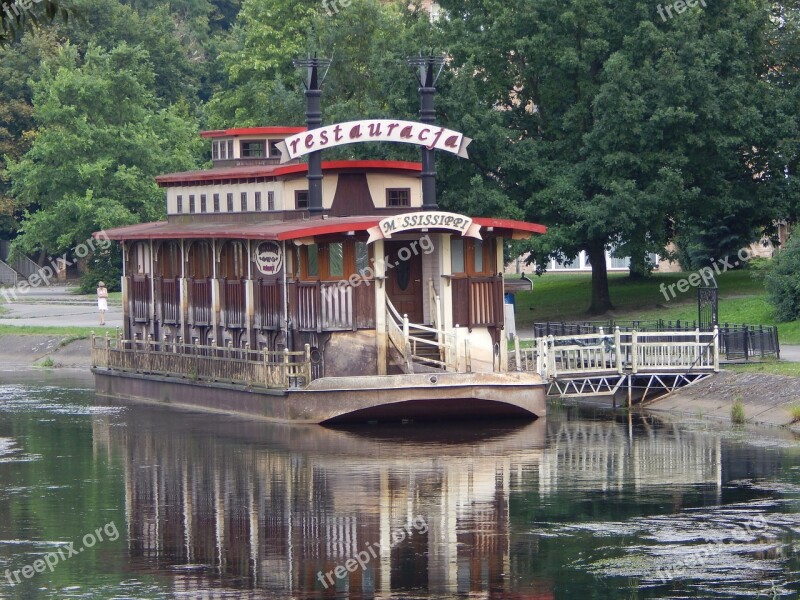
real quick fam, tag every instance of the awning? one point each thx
(291, 230)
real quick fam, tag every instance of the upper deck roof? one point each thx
(289, 230)
(276, 171)
(247, 131)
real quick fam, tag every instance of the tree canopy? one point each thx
(618, 128)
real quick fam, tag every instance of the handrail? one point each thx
(621, 352)
(267, 368)
(401, 327)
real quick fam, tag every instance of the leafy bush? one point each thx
(105, 266)
(737, 412)
(782, 282)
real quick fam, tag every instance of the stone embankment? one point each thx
(767, 399)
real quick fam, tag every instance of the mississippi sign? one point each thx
(424, 220)
(374, 130)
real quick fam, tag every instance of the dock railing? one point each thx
(263, 368)
(630, 352)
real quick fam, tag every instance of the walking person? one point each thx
(102, 301)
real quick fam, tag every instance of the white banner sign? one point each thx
(424, 220)
(374, 130)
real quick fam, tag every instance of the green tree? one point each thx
(612, 126)
(101, 139)
(782, 282)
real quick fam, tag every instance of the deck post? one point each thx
(517, 358)
(618, 350)
(455, 346)
(307, 366)
(630, 391)
(286, 368)
(634, 351)
(715, 349)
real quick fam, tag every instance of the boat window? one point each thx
(398, 197)
(478, 253)
(457, 255)
(312, 252)
(252, 149)
(301, 199)
(362, 257)
(336, 259)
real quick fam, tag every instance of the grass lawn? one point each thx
(770, 366)
(76, 333)
(565, 297)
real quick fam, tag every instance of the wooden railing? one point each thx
(234, 312)
(168, 294)
(200, 301)
(268, 304)
(243, 366)
(332, 306)
(478, 301)
(305, 308)
(139, 297)
(621, 352)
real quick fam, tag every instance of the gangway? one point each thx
(600, 364)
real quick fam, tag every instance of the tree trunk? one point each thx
(639, 267)
(601, 299)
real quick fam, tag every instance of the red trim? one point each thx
(282, 230)
(252, 131)
(326, 229)
(509, 224)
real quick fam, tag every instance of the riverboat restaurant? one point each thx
(243, 260)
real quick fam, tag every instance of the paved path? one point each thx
(57, 306)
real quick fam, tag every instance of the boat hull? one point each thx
(441, 396)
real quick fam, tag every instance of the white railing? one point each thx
(336, 306)
(621, 352)
(397, 335)
(436, 316)
(402, 335)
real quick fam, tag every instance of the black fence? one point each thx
(735, 341)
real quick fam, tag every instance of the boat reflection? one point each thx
(243, 509)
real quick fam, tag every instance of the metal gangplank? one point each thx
(600, 364)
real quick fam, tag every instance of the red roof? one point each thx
(282, 230)
(287, 170)
(252, 131)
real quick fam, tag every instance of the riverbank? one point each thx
(767, 399)
(46, 350)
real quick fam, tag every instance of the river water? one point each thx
(101, 501)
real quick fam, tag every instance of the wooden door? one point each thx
(404, 279)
